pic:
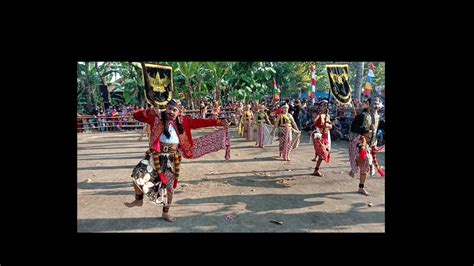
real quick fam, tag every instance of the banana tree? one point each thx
(189, 70)
(218, 71)
(137, 74)
(131, 83)
(83, 89)
(104, 73)
(262, 79)
(88, 81)
(246, 80)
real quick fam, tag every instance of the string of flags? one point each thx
(370, 81)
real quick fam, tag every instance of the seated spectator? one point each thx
(336, 131)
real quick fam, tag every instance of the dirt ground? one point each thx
(243, 194)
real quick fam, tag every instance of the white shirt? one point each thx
(173, 136)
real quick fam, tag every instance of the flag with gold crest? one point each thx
(158, 83)
(339, 82)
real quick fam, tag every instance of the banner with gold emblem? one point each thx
(339, 82)
(158, 83)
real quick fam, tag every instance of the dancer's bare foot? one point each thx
(363, 191)
(134, 203)
(351, 174)
(168, 217)
(317, 173)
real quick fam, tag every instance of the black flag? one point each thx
(339, 82)
(158, 83)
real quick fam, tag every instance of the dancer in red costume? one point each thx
(321, 137)
(170, 139)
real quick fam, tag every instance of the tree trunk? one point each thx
(88, 90)
(188, 84)
(358, 81)
(218, 90)
(197, 94)
(141, 90)
(188, 100)
(140, 98)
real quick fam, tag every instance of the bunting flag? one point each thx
(370, 81)
(276, 91)
(313, 83)
(367, 89)
(371, 75)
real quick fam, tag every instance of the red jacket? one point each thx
(319, 123)
(185, 139)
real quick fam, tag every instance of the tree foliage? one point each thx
(221, 81)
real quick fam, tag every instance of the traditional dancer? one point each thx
(375, 105)
(321, 137)
(289, 135)
(261, 118)
(359, 148)
(170, 139)
(246, 127)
